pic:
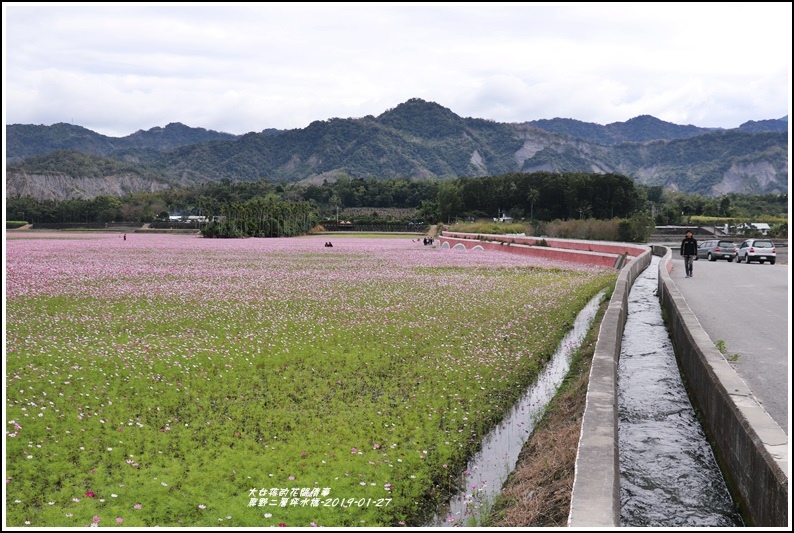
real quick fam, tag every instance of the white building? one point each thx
(761, 227)
(503, 218)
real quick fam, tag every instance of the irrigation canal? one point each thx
(498, 455)
(668, 473)
(669, 476)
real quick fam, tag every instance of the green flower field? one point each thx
(170, 380)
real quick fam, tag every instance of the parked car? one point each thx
(760, 250)
(716, 249)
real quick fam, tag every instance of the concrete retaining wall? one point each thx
(595, 501)
(597, 253)
(750, 447)
(607, 247)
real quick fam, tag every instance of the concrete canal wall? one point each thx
(751, 449)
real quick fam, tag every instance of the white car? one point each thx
(760, 250)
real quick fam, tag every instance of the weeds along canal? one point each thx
(668, 473)
(487, 471)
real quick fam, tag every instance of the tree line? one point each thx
(262, 217)
(266, 208)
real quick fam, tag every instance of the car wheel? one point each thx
(772, 262)
(747, 259)
(730, 259)
(709, 257)
(761, 261)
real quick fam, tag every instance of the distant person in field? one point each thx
(125, 236)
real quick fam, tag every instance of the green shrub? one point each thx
(635, 229)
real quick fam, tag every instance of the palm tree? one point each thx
(532, 196)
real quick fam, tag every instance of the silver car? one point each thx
(760, 250)
(717, 249)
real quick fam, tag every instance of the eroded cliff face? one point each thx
(750, 178)
(645, 168)
(59, 187)
(745, 177)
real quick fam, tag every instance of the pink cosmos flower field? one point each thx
(173, 380)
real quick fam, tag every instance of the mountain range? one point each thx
(416, 139)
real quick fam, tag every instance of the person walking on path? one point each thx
(689, 250)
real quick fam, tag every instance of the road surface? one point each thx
(748, 308)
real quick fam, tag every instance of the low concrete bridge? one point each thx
(598, 253)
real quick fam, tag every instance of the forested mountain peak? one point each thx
(173, 135)
(754, 126)
(427, 120)
(27, 140)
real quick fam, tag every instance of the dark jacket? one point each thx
(689, 246)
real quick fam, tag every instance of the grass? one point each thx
(488, 227)
(170, 380)
(722, 348)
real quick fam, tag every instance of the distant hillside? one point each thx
(644, 128)
(639, 129)
(757, 126)
(28, 140)
(424, 140)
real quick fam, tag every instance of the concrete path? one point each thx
(747, 307)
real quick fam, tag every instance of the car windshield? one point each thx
(763, 244)
(726, 244)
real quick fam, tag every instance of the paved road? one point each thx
(748, 307)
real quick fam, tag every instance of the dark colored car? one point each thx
(716, 249)
(760, 250)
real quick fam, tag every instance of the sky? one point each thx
(237, 67)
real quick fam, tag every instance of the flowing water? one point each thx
(487, 471)
(668, 474)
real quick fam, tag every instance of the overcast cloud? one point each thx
(119, 68)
